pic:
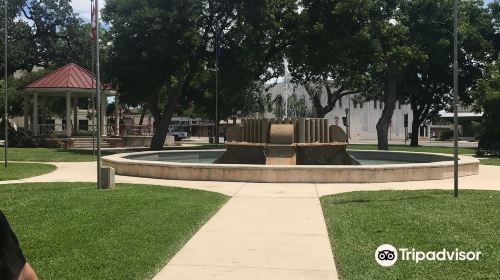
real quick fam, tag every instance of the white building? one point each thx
(364, 117)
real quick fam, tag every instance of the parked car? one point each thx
(178, 135)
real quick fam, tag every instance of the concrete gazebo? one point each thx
(71, 81)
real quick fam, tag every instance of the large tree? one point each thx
(21, 50)
(163, 51)
(487, 96)
(158, 49)
(392, 55)
(328, 51)
(45, 33)
(57, 33)
(430, 29)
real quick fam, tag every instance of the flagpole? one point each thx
(98, 94)
(6, 90)
(93, 73)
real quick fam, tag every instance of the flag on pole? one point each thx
(93, 21)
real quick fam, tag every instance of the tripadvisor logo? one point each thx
(387, 255)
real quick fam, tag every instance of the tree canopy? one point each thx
(173, 44)
(161, 54)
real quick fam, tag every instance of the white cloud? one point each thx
(82, 7)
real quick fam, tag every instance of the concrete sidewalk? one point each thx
(260, 233)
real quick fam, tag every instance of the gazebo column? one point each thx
(26, 108)
(75, 115)
(103, 114)
(35, 114)
(43, 123)
(117, 115)
(68, 114)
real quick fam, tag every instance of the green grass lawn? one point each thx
(74, 231)
(427, 220)
(491, 161)
(424, 149)
(63, 155)
(16, 171)
(47, 155)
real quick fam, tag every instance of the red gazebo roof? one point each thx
(70, 76)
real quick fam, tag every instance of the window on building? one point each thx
(399, 105)
(340, 103)
(355, 104)
(361, 105)
(375, 104)
(381, 105)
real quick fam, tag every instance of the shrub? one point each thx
(18, 138)
(446, 135)
(52, 142)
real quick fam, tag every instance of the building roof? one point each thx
(463, 115)
(70, 76)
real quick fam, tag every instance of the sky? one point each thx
(82, 7)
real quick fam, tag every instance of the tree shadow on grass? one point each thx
(364, 201)
(83, 152)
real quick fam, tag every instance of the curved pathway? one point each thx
(265, 231)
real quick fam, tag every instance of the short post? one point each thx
(107, 177)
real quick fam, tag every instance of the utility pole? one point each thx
(455, 96)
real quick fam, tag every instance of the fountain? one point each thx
(286, 142)
(289, 151)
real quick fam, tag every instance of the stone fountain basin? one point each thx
(416, 167)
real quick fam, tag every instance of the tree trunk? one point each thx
(158, 140)
(415, 126)
(384, 122)
(143, 113)
(419, 116)
(153, 108)
(319, 113)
